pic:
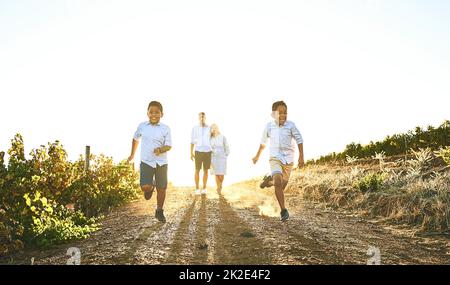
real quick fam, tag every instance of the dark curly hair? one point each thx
(278, 103)
(155, 104)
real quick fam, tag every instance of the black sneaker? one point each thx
(266, 181)
(284, 215)
(159, 214)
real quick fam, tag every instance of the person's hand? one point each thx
(301, 163)
(130, 158)
(157, 151)
(255, 159)
(192, 156)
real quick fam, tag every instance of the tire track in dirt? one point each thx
(213, 221)
(320, 236)
(195, 243)
(181, 247)
(205, 241)
(156, 246)
(139, 250)
(149, 247)
(286, 243)
(230, 229)
(202, 244)
(235, 239)
(128, 256)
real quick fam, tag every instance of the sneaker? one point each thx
(284, 215)
(204, 191)
(266, 181)
(197, 192)
(148, 195)
(159, 214)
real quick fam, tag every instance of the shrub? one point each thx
(444, 153)
(34, 194)
(49, 223)
(371, 182)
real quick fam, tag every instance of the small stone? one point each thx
(247, 234)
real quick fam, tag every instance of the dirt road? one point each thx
(241, 227)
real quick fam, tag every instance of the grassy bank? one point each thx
(415, 191)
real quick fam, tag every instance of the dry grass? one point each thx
(402, 194)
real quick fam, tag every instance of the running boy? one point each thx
(281, 132)
(156, 142)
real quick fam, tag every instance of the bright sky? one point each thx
(83, 72)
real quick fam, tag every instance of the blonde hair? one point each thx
(215, 127)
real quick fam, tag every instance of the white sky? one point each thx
(83, 72)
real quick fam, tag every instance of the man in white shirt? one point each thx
(201, 143)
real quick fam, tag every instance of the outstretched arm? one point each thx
(256, 158)
(301, 160)
(134, 145)
(264, 139)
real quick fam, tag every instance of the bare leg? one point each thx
(205, 178)
(218, 182)
(160, 197)
(278, 183)
(221, 177)
(148, 188)
(197, 178)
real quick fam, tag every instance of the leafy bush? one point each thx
(397, 144)
(371, 182)
(49, 223)
(35, 193)
(420, 162)
(107, 186)
(444, 153)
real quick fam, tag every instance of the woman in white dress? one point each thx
(220, 152)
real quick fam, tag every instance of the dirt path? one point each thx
(240, 227)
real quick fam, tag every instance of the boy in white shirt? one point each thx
(281, 132)
(156, 142)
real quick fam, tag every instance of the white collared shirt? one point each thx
(281, 140)
(153, 136)
(201, 138)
